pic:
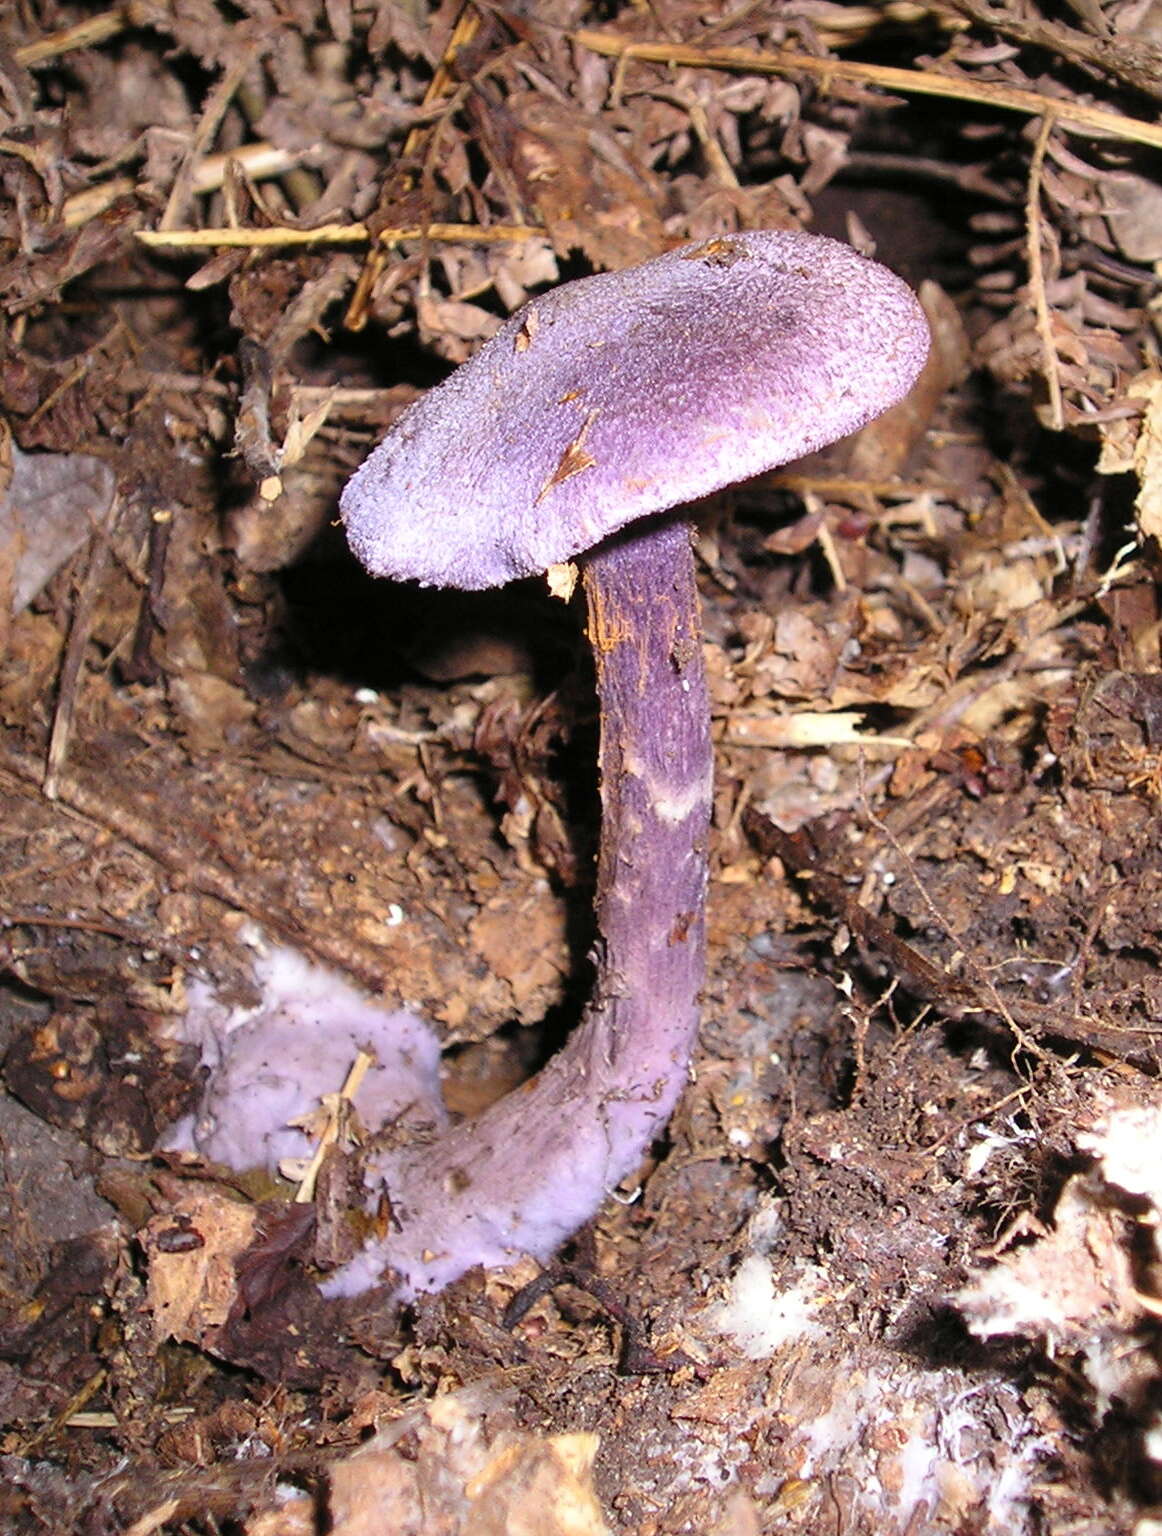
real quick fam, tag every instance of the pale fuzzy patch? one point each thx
(915, 1447)
(1127, 1143)
(1074, 1288)
(759, 1320)
(272, 1064)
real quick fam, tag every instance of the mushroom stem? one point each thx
(536, 1166)
(656, 781)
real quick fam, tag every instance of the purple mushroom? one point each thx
(604, 401)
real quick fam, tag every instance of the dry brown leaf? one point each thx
(48, 508)
(588, 193)
(192, 1251)
(463, 1478)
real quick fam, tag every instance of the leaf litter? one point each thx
(893, 1267)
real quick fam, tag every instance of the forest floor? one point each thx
(895, 1266)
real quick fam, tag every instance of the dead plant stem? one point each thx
(915, 82)
(340, 234)
(1034, 234)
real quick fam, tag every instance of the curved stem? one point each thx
(537, 1165)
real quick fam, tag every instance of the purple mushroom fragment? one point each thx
(579, 432)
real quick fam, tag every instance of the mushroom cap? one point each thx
(633, 392)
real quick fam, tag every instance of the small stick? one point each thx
(466, 26)
(1033, 228)
(359, 1068)
(339, 234)
(917, 82)
(212, 114)
(257, 161)
(85, 34)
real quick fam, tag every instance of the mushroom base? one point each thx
(532, 1169)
